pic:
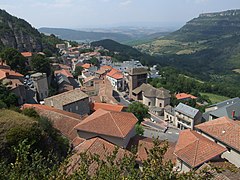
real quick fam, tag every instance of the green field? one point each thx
(215, 98)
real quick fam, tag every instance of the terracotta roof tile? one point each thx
(223, 129)
(118, 124)
(107, 107)
(94, 146)
(62, 120)
(27, 54)
(63, 66)
(4, 73)
(185, 96)
(195, 149)
(63, 72)
(143, 144)
(106, 68)
(116, 74)
(86, 66)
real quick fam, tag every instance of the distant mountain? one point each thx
(208, 46)
(19, 34)
(77, 35)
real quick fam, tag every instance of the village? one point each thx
(90, 108)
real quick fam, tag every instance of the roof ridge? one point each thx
(189, 143)
(195, 155)
(116, 123)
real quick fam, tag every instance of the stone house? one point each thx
(40, 83)
(226, 133)
(187, 117)
(193, 150)
(14, 81)
(91, 86)
(155, 98)
(116, 78)
(74, 101)
(169, 114)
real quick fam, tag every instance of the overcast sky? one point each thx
(105, 13)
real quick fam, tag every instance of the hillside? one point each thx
(77, 35)
(125, 52)
(207, 46)
(19, 34)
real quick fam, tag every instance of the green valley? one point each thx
(207, 46)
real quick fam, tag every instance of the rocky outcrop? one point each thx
(19, 34)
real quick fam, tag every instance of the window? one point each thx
(149, 103)
(160, 104)
(76, 108)
(92, 83)
(70, 109)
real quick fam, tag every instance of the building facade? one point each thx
(74, 101)
(40, 83)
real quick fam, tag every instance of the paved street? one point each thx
(118, 96)
(170, 135)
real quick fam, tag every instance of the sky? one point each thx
(112, 13)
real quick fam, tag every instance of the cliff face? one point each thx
(19, 34)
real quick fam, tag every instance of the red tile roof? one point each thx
(63, 66)
(223, 129)
(110, 123)
(27, 54)
(144, 144)
(94, 146)
(108, 107)
(116, 74)
(86, 66)
(106, 68)
(185, 96)
(4, 73)
(64, 72)
(62, 120)
(195, 149)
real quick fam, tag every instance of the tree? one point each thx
(78, 71)
(15, 60)
(139, 129)
(33, 165)
(7, 98)
(40, 63)
(139, 110)
(94, 61)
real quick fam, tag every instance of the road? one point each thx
(120, 99)
(170, 135)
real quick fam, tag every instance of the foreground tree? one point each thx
(32, 165)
